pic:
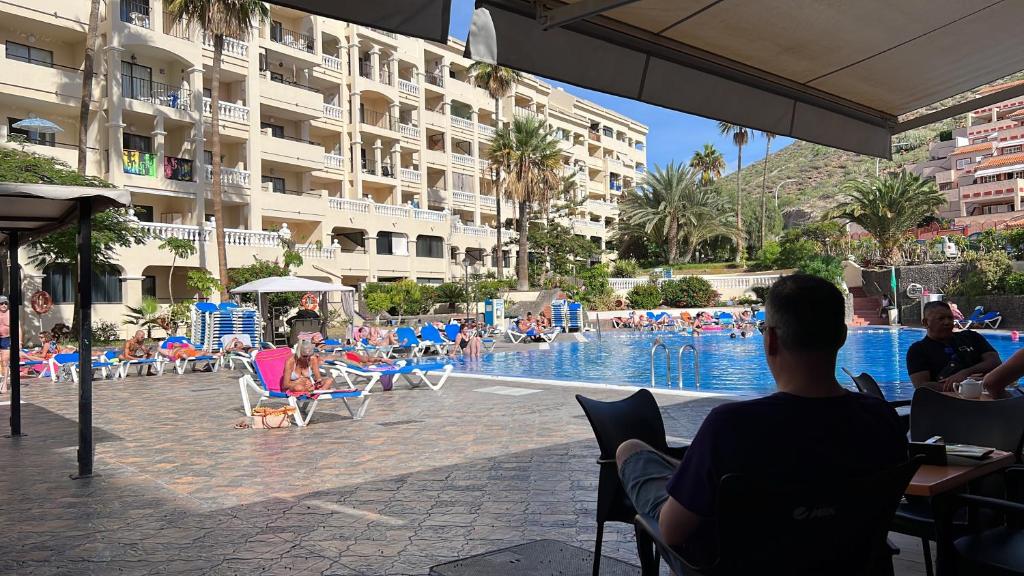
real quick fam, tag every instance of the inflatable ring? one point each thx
(620, 304)
(308, 301)
(41, 302)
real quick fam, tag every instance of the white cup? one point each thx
(970, 389)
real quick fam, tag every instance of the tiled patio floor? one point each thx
(425, 478)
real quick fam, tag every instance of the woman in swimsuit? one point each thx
(468, 341)
(302, 372)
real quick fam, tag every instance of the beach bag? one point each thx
(387, 381)
(268, 418)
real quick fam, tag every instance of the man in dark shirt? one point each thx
(943, 357)
(812, 428)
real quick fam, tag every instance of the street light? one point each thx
(465, 278)
(777, 191)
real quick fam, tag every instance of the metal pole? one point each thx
(777, 191)
(14, 361)
(85, 440)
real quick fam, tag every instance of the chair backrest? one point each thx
(243, 338)
(634, 417)
(452, 331)
(206, 307)
(759, 316)
(996, 424)
(430, 333)
(227, 305)
(866, 384)
(269, 367)
(725, 318)
(406, 333)
(649, 314)
(66, 358)
(174, 340)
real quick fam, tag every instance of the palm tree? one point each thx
(499, 82)
(709, 162)
(740, 137)
(528, 151)
(219, 18)
(888, 207)
(768, 137)
(87, 74)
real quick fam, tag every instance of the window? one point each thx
(392, 244)
(137, 142)
(149, 286)
(608, 132)
(945, 186)
(275, 130)
(277, 183)
(430, 246)
(384, 243)
(31, 136)
(277, 77)
(208, 157)
(207, 93)
(639, 145)
(29, 54)
(1012, 149)
(963, 162)
(57, 280)
(144, 213)
(276, 31)
(136, 81)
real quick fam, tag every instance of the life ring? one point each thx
(620, 304)
(308, 301)
(41, 302)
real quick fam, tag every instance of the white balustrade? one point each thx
(228, 111)
(332, 63)
(485, 130)
(463, 160)
(462, 123)
(588, 223)
(408, 87)
(230, 176)
(316, 252)
(602, 205)
(411, 175)
(614, 163)
(333, 161)
(460, 196)
(489, 201)
(183, 231)
(429, 215)
(231, 46)
(472, 230)
(409, 130)
(738, 281)
(484, 163)
(257, 238)
(349, 205)
(391, 210)
(520, 111)
(332, 111)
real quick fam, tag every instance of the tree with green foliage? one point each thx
(889, 207)
(826, 267)
(203, 282)
(626, 268)
(219, 19)
(644, 296)
(740, 137)
(179, 248)
(709, 163)
(688, 292)
(595, 292)
(560, 249)
(452, 294)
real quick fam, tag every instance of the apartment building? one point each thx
(980, 167)
(365, 149)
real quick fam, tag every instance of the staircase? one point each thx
(865, 309)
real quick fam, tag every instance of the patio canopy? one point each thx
(34, 209)
(289, 284)
(421, 18)
(834, 73)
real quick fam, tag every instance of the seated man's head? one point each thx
(140, 335)
(937, 317)
(805, 325)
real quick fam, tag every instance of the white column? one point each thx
(393, 70)
(375, 63)
(115, 117)
(412, 256)
(396, 165)
(378, 157)
(370, 242)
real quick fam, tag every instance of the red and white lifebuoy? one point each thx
(41, 302)
(308, 301)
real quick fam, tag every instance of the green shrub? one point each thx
(984, 273)
(827, 267)
(688, 292)
(768, 256)
(794, 253)
(378, 302)
(945, 135)
(761, 292)
(644, 296)
(1015, 283)
(489, 289)
(626, 268)
(104, 332)
(451, 293)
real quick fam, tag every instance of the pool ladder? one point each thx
(679, 362)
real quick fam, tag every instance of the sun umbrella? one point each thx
(38, 125)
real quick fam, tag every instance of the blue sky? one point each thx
(673, 135)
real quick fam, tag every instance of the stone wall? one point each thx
(932, 277)
(1011, 307)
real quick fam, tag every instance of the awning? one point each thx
(289, 284)
(426, 19)
(833, 73)
(34, 209)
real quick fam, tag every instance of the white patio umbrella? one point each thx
(39, 125)
(292, 284)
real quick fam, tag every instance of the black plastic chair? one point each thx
(835, 527)
(996, 424)
(998, 550)
(867, 385)
(636, 417)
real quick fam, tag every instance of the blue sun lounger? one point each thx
(413, 374)
(433, 339)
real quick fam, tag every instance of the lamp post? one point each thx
(777, 191)
(465, 278)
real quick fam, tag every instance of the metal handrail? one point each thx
(696, 364)
(668, 363)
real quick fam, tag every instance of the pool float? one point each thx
(712, 328)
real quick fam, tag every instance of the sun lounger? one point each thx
(266, 381)
(66, 366)
(413, 374)
(407, 340)
(182, 363)
(725, 320)
(990, 319)
(974, 318)
(547, 335)
(433, 338)
(229, 358)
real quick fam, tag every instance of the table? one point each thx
(941, 483)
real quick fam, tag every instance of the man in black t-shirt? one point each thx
(811, 429)
(943, 357)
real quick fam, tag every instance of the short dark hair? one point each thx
(933, 305)
(808, 314)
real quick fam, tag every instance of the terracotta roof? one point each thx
(973, 148)
(1015, 222)
(1017, 114)
(1001, 160)
(997, 87)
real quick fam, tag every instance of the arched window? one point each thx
(58, 281)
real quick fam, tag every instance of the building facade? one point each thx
(364, 148)
(980, 167)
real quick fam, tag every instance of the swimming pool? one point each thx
(731, 366)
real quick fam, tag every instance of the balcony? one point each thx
(434, 79)
(486, 131)
(36, 79)
(614, 164)
(291, 95)
(293, 39)
(318, 251)
(386, 210)
(377, 119)
(230, 176)
(409, 130)
(463, 123)
(307, 204)
(410, 175)
(174, 27)
(366, 69)
(136, 13)
(183, 231)
(157, 93)
(473, 230)
(253, 238)
(991, 190)
(138, 163)
(520, 111)
(408, 87)
(588, 224)
(232, 47)
(463, 160)
(228, 111)
(332, 63)
(466, 198)
(349, 205)
(594, 136)
(335, 161)
(333, 112)
(293, 151)
(179, 169)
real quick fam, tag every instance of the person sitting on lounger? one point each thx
(468, 341)
(811, 429)
(176, 351)
(302, 372)
(363, 360)
(135, 348)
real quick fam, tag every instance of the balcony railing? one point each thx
(183, 231)
(332, 63)
(520, 111)
(463, 160)
(293, 39)
(156, 92)
(259, 238)
(408, 87)
(472, 230)
(435, 79)
(366, 69)
(179, 169)
(488, 201)
(348, 205)
(136, 13)
(391, 210)
(231, 46)
(332, 111)
(409, 130)
(138, 163)
(384, 75)
(174, 27)
(602, 205)
(458, 122)
(383, 33)
(287, 82)
(229, 176)
(227, 110)
(292, 138)
(334, 161)
(428, 215)
(377, 118)
(486, 131)
(462, 197)
(410, 175)
(595, 136)
(589, 224)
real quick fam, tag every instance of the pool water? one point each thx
(732, 366)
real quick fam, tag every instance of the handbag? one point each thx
(269, 418)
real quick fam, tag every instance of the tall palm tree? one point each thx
(528, 151)
(709, 162)
(888, 207)
(219, 18)
(87, 73)
(768, 137)
(740, 137)
(499, 82)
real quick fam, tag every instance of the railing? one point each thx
(383, 33)
(138, 163)
(179, 169)
(156, 92)
(332, 111)
(463, 160)
(471, 230)
(231, 46)
(315, 251)
(332, 63)
(227, 110)
(174, 27)
(408, 87)
(409, 130)
(460, 196)
(392, 210)
(411, 175)
(489, 201)
(595, 136)
(183, 231)
(236, 237)
(384, 75)
(230, 176)
(668, 362)
(348, 205)
(717, 282)
(334, 160)
(462, 123)
(520, 111)
(293, 39)
(589, 224)
(435, 79)
(601, 204)
(484, 163)
(486, 131)
(696, 364)
(292, 138)
(614, 163)
(428, 215)
(136, 13)
(295, 84)
(366, 69)
(376, 118)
